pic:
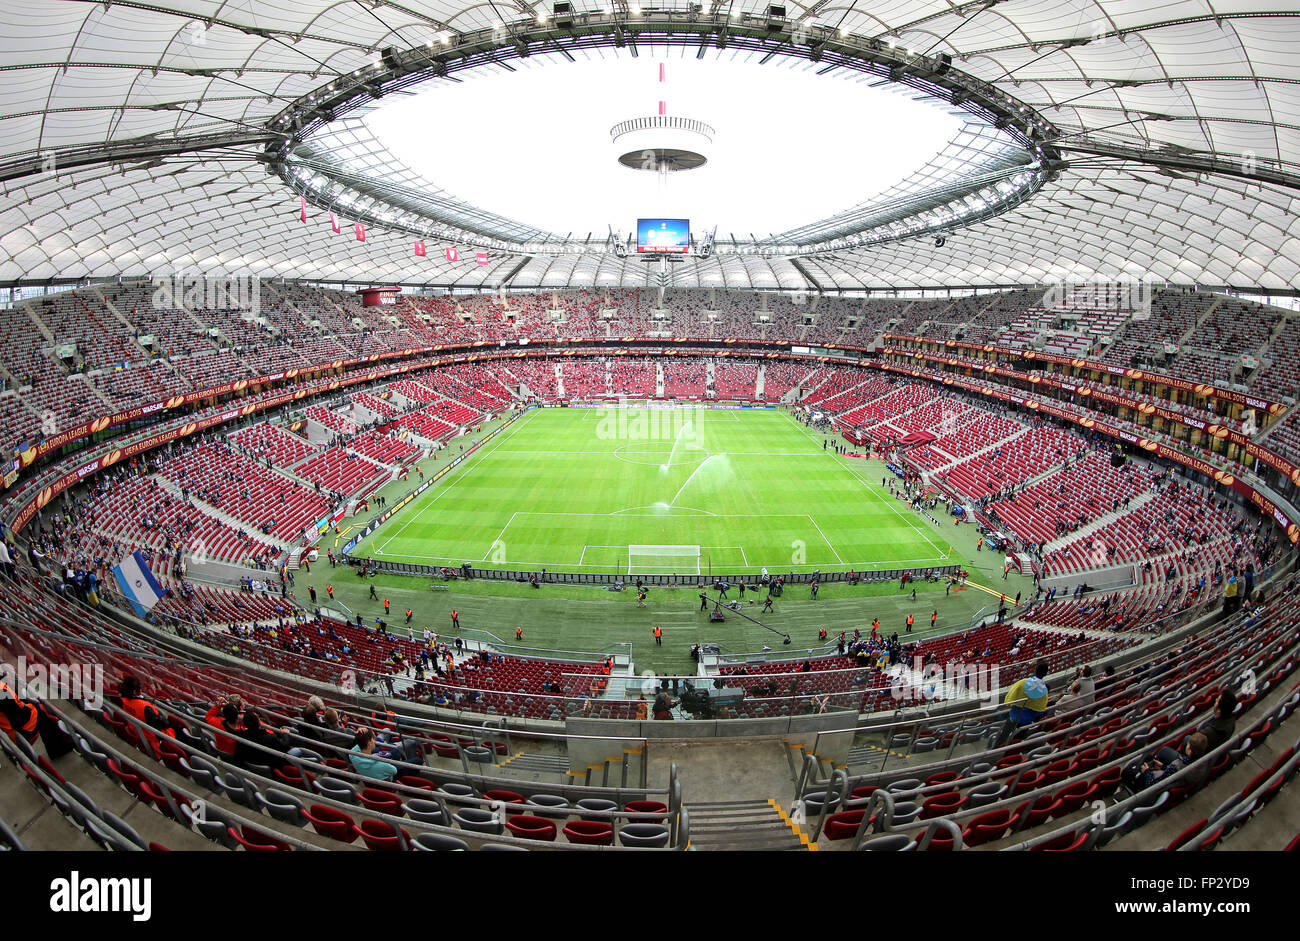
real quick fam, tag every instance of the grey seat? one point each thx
(1241, 751)
(925, 743)
(98, 758)
(215, 825)
(905, 812)
(1141, 738)
(477, 753)
(986, 793)
(889, 843)
(1113, 831)
(108, 837)
(596, 808)
(66, 797)
(438, 842)
(1239, 815)
(652, 835)
(206, 773)
(1288, 707)
(905, 788)
(549, 805)
(457, 793)
(338, 790)
(125, 829)
(259, 769)
(423, 810)
(502, 848)
(478, 820)
(239, 790)
(900, 740)
(1142, 814)
(814, 802)
(283, 807)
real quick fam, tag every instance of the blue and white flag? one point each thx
(137, 583)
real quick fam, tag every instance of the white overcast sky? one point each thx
(791, 146)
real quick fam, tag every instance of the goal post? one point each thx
(663, 560)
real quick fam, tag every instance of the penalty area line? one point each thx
(458, 478)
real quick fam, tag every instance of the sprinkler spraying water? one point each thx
(705, 463)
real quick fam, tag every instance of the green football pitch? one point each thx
(660, 491)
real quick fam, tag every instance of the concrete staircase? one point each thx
(1085, 531)
(209, 510)
(957, 460)
(744, 825)
(1200, 321)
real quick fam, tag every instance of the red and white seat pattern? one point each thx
(283, 447)
(1028, 455)
(247, 491)
(332, 420)
(342, 471)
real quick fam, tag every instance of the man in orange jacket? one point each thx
(142, 710)
(17, 717)
(224, 716)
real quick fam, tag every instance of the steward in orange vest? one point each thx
(141, 709)
(17, 717)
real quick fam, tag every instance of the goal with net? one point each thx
(663, 560)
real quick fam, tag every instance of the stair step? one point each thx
(755, 825)
(553, 763)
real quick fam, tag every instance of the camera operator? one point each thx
(663, 705)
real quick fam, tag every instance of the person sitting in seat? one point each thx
(363, 746)
(224, 717)
(251, 734)
(1167, 761)
(1220, 727)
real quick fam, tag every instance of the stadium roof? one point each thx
(150, 137)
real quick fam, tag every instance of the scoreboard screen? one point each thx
(663, 235)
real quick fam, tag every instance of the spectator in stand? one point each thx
(17, 717)
(136, 706)
(253, 734)
(1027, 699)
(1167, 761)
(363, 747)
(224, 717)
(1219, 728)
(1087, 687)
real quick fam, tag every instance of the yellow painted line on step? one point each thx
(896, 754)
(502, 764)
(794, 827)
(1011, 604)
